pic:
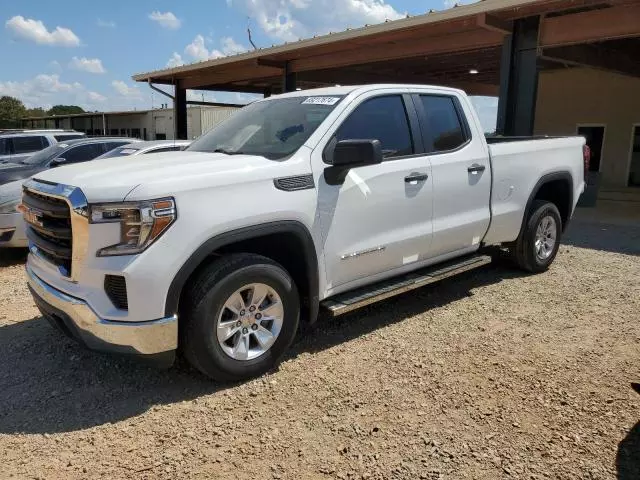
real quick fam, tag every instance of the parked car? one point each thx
(12, 176)
(331, 198)
(143, 148)
(12, 231)
(72, 151)
(17, 145)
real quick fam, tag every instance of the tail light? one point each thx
(586, 156)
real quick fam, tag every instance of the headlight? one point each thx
(141, 223)
(9, 206)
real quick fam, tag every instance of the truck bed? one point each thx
(517, 165)
(491, 140)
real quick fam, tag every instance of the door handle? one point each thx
(416, 177)
(475, 168)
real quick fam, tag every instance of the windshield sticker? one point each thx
(63, 145)
(127, 151)
(321, 101)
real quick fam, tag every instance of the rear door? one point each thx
(461, 174)
(25, 146)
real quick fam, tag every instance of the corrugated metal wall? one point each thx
(211, 116)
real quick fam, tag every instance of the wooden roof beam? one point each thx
(495, 24)
(594, 56)
(234, 88)
(350, 77)
(230, 76)
(591, 26)
(265, 62)
(473, 40)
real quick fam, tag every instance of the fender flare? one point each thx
(246, 233)
(550, 177)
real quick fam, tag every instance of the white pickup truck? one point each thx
(319, 199)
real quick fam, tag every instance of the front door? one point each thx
(461, 175)
(376, 220)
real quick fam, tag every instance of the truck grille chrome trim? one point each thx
(57, 224)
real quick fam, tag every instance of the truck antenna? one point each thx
(249, 33)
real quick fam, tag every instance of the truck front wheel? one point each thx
(239, 317)
(538, 244)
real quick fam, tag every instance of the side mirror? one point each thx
(353, 152)
(56, 162)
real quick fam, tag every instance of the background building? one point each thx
(155, 124)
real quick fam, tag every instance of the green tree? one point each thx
(36, 112)
(11, 111)
(65, 110)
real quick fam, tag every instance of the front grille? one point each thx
(49, 228)
(116, 288)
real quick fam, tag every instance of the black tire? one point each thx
(524, 250)
(205, 298)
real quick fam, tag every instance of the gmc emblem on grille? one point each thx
(33, 216)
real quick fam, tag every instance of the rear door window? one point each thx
(29, 144)
(444, 130)
(4, 146)
(380, 118)
(82, 153)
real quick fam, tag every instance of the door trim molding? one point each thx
(349, 256)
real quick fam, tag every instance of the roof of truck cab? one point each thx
(346, 90)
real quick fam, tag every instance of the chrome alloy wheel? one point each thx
(546, 235)
(250, 322)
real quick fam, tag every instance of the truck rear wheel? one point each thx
(239, 317)
(538, 244)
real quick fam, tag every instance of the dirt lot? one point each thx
(490, 375)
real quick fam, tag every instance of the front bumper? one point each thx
(12, 231)
(78, 320)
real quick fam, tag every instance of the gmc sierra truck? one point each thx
(321, 199)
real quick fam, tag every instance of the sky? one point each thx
(84, 53)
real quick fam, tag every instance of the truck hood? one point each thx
(162, 174)
(10, 172)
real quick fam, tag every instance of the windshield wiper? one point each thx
(227, 151)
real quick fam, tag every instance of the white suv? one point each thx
(18, 145)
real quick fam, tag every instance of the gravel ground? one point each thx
(493, 374)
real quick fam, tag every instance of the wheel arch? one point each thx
(556, 188)
(291, 232)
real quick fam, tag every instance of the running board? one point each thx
(349, 301)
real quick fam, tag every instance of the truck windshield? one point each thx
(273, 129)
